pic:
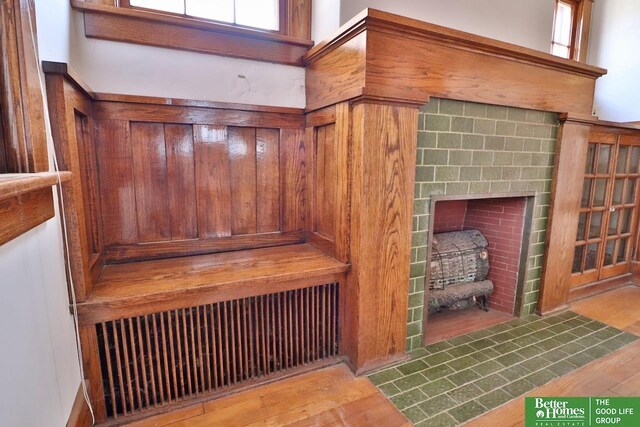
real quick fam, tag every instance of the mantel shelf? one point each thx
(15, 184)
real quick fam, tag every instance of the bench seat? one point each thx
(144, 287)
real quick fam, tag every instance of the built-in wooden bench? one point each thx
(201, 258)
(139, 288)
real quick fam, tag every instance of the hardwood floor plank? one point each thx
(170, 417)
(618, 308)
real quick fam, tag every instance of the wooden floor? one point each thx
(327, 397)
(334, 396)
(617, 374)
(449, 324)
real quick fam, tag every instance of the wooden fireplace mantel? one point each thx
(380, 55)
(364, 88)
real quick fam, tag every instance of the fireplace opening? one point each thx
(476, 262)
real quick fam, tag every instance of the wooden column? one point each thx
(568, 175)
(382, 172)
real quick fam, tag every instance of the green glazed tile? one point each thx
(462, 363)
(481, 344)
(509, 359)
(579, 359)
(385, 376)
(437, 404)
(407, 383)
(535, 363)
(554, 355)
(412, 367)
(461, 350)
(442, 420)
(467, 411)
(436, 372)
(488, 367)
(463, 377)
(506, 347)
(408, 398)
(439, 346)
(494, 399)
(437, 359)
(519, 387)
(491, 382)
(465, 393)
(541, 377)
(389, 389)
(515, 372)
(414, 414)
(437, 387)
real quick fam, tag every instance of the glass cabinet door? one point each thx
(607, 216)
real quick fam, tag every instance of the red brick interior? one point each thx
(501, 221)
(449, 216)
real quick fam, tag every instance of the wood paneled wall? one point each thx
(327, 180)
(182, 180)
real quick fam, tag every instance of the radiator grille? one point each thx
(170, 356)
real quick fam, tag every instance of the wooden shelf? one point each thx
(138, 288)
(15, 184)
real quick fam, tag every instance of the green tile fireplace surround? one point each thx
(468, 148)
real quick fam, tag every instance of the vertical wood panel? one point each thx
(383, 172)
(150, 178)
(268, 180)
(568, 173)
(181, 181)
(325, 178)
(213, 187)
(242, 159)
(115, 174)
(293, 169)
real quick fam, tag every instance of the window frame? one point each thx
(103, 19)
(283, 13)
(580, 28)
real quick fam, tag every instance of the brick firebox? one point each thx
(503, 221)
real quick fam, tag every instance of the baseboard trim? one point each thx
(80, 413)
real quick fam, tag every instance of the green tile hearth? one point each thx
(453, 381)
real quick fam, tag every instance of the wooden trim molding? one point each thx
(385, 56)
(150, 28)
(80, 413)
(562, 226)
(26, 201)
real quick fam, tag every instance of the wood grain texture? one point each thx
(212, 174)
(242, 167)
(181, 181)
(80, 414)
(195, 35)
(117, 189)
(293, 181)
(409, 61)
(149, 161)
(562, 226)
(267, 180)
(329, 396)
(20, 214)
(15, 184)
(299, 19)
(382, 185)
(71, 128)
(152, 286)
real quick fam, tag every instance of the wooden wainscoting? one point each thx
(181, 180)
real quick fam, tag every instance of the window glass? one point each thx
(173, 6)
(263, 14)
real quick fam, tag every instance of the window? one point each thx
(571, 29)
(563, 29)
(262, 14)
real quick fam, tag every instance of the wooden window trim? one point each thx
(26, 198)
(580, 28)
(106, 21)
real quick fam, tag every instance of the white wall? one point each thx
(526, 23)
(40, 374)
(615, 37)
(325, 19)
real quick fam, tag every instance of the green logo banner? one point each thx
(582, 411)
